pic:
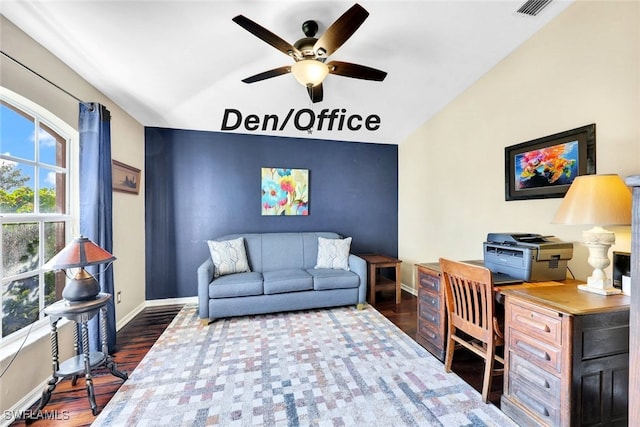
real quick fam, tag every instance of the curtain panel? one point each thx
(96, 200)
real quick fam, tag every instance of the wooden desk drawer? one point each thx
(541, 383)
(429, 300)
(536, 322)
(428, 314)
(429, 333)
(537, 352)
(428, 281)
(547, 414)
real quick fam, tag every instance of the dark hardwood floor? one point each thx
(69, 405)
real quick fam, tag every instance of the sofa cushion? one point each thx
(333, 253)
(236, 285)
(282, 251)
(326, 278)
(229, 256)
(287, 280)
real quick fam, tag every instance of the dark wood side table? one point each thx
(84, 360)
(378, 282)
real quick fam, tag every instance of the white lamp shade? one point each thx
(309, 72)
(596, 200)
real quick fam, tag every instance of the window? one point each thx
(35, 214)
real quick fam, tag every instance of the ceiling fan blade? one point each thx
(356, 71)
(315, 93)
(268, 74)
(340, 31)
(267, 36)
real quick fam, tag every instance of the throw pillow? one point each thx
(333, 253)
(229, 256)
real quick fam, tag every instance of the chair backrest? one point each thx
(469, 297)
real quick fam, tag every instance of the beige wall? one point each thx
(582, 68)
(33, 365)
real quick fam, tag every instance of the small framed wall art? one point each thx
(546, 167)
(285, 191)
(125, 178)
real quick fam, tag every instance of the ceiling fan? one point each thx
(310, 53)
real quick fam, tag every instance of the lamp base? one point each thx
(598, 290)
(83, 287)
(598, 241)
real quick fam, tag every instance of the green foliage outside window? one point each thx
(20, 244)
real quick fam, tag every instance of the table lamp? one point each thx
(80, 253)
(597, 200)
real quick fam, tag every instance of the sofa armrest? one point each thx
(359, 266)
(205, 276)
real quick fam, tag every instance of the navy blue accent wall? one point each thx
(200, 185)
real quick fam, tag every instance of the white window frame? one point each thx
(40, 327)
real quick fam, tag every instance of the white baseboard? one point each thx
(170, 301)
(133, 313)
(412, 291)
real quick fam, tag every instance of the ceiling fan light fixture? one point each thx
(309, 72)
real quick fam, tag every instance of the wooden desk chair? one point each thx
(471, 310)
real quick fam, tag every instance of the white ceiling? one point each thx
(179, 64)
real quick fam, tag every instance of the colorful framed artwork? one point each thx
(285, 191)
(546, 167)
(125, 178)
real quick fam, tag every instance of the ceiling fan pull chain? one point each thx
(310, 130)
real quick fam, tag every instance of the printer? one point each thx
(526, 256)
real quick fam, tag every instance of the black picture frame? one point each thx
(545, 167)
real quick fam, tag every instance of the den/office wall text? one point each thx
(305, 119)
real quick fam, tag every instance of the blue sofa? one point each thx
(282, 277)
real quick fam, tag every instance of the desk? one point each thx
(83, 361)
(431, 329)
(377, 282)
(566, 357)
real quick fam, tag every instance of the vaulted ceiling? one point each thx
(179, 64)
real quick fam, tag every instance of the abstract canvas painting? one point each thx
(285, 191)
(549, 166)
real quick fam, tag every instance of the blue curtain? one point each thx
(96, 212)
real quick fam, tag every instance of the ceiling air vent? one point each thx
(533, 7)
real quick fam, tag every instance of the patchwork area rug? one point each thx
(329, 367)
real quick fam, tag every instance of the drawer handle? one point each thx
(532, 404)
(537, 325)
(426, 315)
(428, 283)
(533, 377)
(430, 334)
(432, 303)
(540, 354)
